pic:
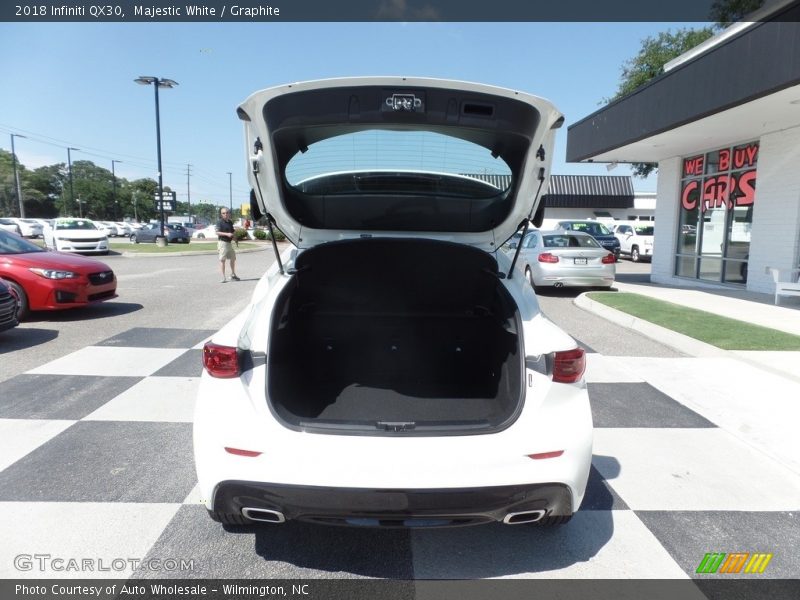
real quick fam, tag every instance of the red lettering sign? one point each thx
(746, 190)
(724, 160)
(689, 195)
(721, 190)
(693, 166)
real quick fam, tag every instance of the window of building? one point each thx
(716, 214)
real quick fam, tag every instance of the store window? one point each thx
(716, 214)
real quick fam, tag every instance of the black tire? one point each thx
(24, 307)
(201, 236)
(553, 521)
(635, 254)
(134, 240)
(529, 275)
(228, 518)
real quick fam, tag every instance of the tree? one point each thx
(725, 12)
(659, 50)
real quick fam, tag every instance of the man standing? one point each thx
(225, 249)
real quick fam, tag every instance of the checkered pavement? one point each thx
(96, 462)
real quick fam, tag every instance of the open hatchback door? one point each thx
(395, 156)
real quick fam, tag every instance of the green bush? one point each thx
(239, 235)
(260, 234)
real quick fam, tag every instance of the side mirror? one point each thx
(512, 245)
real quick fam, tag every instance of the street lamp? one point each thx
(230, 194)
(157, 83)
(114, 188)
(16, 176)
(71, 189)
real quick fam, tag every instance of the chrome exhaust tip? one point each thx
(528, 516)
(558, 284)
(263, 514)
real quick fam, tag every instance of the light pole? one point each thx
(230, 194)
(16, 176)
(71, 189)
(114, 189)
(157, 83)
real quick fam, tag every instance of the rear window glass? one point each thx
(412, 162)
(570, 241)
(590, 228)
(644, 229)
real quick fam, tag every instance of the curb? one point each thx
(672, 339)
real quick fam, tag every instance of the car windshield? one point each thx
(644, 229)
(591, 228)
(74, 224)
(12, 244)
(569, 241)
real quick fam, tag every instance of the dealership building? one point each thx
(723, 125)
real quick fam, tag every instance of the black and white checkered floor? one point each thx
(96, 462)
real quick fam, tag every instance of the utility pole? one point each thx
(71, 189)
(230, 192)
(188, 189)
(114, 184)
(16, 176)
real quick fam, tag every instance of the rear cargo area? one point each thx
(394, 335)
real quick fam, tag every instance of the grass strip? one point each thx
(722, 332)
(152, 248)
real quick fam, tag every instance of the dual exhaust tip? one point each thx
(528, 516)
(266, 515)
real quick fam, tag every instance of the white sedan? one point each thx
(75, 235)
(394, 370)
(206, 233)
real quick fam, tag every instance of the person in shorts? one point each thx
(225, 248)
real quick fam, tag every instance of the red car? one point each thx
(46, 280)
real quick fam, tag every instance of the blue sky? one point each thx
(72, 84)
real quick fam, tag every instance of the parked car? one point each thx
(636, 239)
(206, 233)
(565, 259)
(9, 307)
(597, 230)
(123, 229)
(45, 280)
(412, 379)
(151, 231)
(107, 228)
(29, 228)
(75, 235)
(7, 224)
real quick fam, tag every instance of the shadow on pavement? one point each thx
(20, 338)
(95, 311)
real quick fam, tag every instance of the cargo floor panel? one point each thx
(433, 359)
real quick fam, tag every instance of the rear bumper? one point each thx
(392, 507)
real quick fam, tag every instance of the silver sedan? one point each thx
(564, 258)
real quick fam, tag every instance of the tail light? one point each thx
(546, 257)
(608, 259)
(221, 361)
(569, 365)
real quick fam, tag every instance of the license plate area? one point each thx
(580, 261)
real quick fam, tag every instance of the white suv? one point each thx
(394, 368)
(635, 239)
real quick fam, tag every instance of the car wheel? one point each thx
(133, 239)
(24, 308)
(201, 236)
(529, 275)
(554, 520)
(635, 254)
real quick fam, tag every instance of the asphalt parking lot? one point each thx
(95, 437)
